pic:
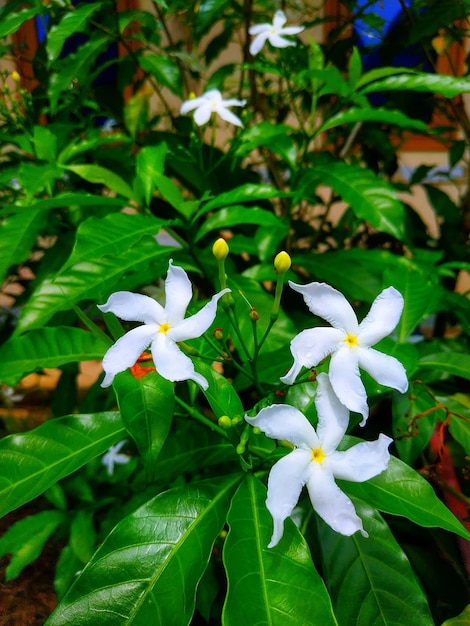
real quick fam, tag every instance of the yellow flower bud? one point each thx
(225, 422)
(220, 249)
(282, 262)
(15, 76)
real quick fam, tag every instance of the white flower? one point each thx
(113, 457)
(349, 343)
(315, 462)
(162, 328)
(212, 102)
(273, 33)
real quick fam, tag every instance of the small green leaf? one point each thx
(165, 70)
(146, 406)
(83, 536)
(459, 418)
(370, 579)
(65, 200)
(73, 21)
(275, 586)
(45, 143)
(244, 193)
(25, 539)
(148, 568)
(18, 236)
(220, 394)
(378, 116)
(461, 620)
(448, 86)
(34, 461)
(102, 176)
(48, 347)
(454, 363)
(237, 215)
(11, 22)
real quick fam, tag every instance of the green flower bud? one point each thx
(225, 422)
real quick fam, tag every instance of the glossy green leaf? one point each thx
(454, 363)
(146, 406)
(165, 70)
(237, 215)
(461, 620)
(380, 116)
(45, 143)
(82, 535)
(18, 236)
(275, 586)
(447, 86)
(244, 193)
(48, 347)
(402, 491)
(275, 137)
(72, 22)
(150, 164)
(459, 418)
(11, 22)
(220, 394)
(34, 461)
(148, 568)
(370, 579)
(101, 175)
(25, 539)
(65, 200)
(369, 196)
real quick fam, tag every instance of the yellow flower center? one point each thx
(351, 340)
(318, 455)
(164, 328)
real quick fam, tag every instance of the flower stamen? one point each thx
(318, 455)
(164, 328)
(351, 340)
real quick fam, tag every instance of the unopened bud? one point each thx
(15, 76)
(218, 334)
(220, 249)
(224, 422)
(282, 262)
(254, 314)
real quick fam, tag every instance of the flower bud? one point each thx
(15, 76)
(254, 314)
(224, 422)
(282, 262)
(218, 334)
(220, 249)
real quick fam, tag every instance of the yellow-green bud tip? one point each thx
(225, 422)
(220, 249)
(15, 76)
(282, 262)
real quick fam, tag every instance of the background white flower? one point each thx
(162, 328)
(349, 343)
(273, 33)
(212, 102)
(315, 462)
(113, 457)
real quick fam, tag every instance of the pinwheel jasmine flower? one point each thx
(113, 457)
(273, 33)
(349, 343)
(163, 328)
(316, 462)
(212, 102)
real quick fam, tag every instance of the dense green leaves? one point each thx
(269, 585)
(19, 234)
(33, 461)
(148, 568)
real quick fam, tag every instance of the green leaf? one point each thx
(146, 406)
(272, 136)
(150, 168)
(45, 144)
(244, 193)
(83, 536)
(370, 579)
(25, 540)
(74, 21)
(65, 200)
(237, 215)
(370, 197)
(220, 394)
(209, 12)
(461, 620)
(34, 461)
(455, 363)
(101, 175)
(18, 235)
(165, 70)
(275, 586)
(11, 22)
(380, 116)
(459, 418)
(47, 347)
(402, 491)
(448, 86)
(148, 568)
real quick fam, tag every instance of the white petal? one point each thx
(285, 482)
(385, 369)
(331, 504)
(213, 94)
(279, 20)
(190, 105)
(291, 30)
(202, 114)
(256, 29)
(125, 352)
(134, 307)
(228, 116)
(178, 293)
(172, 364)
(361, 462)
(382, 318)
(279, 42)
(347, 383)
(234, 102)
(329, 304)
(310, 347)
(282, 421)
(196, 325)
(258, 42)
(333, 417)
